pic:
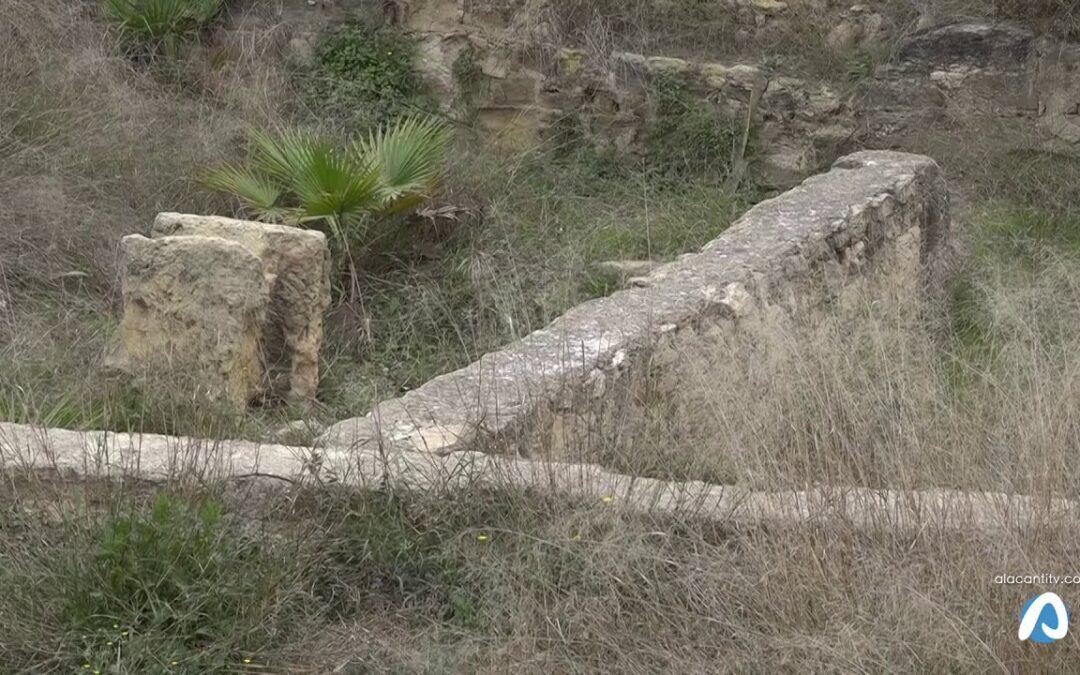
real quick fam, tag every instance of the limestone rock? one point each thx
(296, 269)
(666, 65)
(744, 76)
(787, 161)
(627, 268)
(844, 36)
(435, 58)
(571, 61)
(194, 307)
(517, 89)
(298, 433)
(858, 28)
(976, 44)
(1061, 115)
(715, 75)
(496, 63)
(514, 127)
(1059, 94)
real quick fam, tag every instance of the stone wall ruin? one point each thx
(890, 76)
(877, 221)
(874, 215)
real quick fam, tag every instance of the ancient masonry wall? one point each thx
(875, 214)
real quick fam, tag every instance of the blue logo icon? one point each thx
(1044, 619)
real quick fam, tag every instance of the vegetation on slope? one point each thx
(507, 244)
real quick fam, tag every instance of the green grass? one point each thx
(1015, 245)
(165, 586)
(689, 137)
(177, 582)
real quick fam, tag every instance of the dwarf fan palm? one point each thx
(297, 178)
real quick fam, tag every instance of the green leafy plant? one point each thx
(298, 178)
(171, 584)
(365, 77)
(160, 24)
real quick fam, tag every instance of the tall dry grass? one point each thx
(93, 144)
(486, 580)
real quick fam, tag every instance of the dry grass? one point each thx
(984, 398)
(794, 40)
(475, 581)
(94, 144)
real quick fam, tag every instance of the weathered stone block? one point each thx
(514, 127)
(296, 269)
(195, 307)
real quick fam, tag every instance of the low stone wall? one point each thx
(875, 221)
(874, 215)
(70, 455)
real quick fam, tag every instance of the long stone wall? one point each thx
(67, 455)
(874, 215)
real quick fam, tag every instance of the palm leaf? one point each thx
(408, 157)
(333, 186)
(160, 21)
(259, 193)
(286, 155)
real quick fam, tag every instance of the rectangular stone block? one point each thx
(296, 266)
(194, 308)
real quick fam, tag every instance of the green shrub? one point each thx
(160, 25)
(364, 76)
(172, 587)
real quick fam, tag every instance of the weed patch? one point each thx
(689, 137)
(364, 77)
(160, 26)
(166, 587)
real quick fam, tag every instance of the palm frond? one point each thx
(285, 155)
(160, 21)
(296, 177)
(331, 185)
(259, 193)
(408, 157)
